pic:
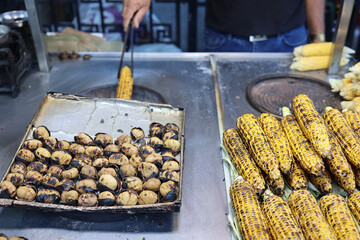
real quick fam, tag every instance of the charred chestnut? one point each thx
(50, 181)
(133, 183)
(50, 143)
(69, 197)
(111, 148)
(76, 149)
(56, 170)
(41, 133)
(34, 177)
(167, 155)
(156, 130)
(107, 170)
(25, 155)
(152, 184)
(38, 166)
(170, 175)
(127, 198)
(135, 160)
(172, 127)
(84, 139)
(154, 158)
(32, 144)
(87, 200)
(63, 145)
(108, 182)
(88, 171)
(71, 173)
(128, 149)
(148, 170)
(172, 144)
(118, 159)
(156, 143)
(26, 193)
(81, 160)
(147, 197)
(42, 154)
(127, 170)
(66, 185)
(170, 135)
(15, 178)
(3, 237)
(139, 143)
(61, 157)
(137, 133)
(86, 185)
(48, 196)
(103, 139)
(171, 165)
(7, 189)
(123, 139)
(100, 162)
(106, 198)
(18, 167)
(146, 151)
(168, 191)
(93, 151)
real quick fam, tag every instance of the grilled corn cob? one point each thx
(277, 186)
(251, 221)
(297, 179)
(311, 220)
(347, 183)
(314, 49)
(258, 145)
(308, 159)
(314, 63)
(125, 84)
(356, 172)
(338, 214)
(354, 205)
(353, 119)
(312, 124)
(281, 222)
(323, 184)
(242, 161)
(278, 141)
(344, 134)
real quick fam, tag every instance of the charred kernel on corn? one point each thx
(338, 214)
(258, 145)
(306, 156)
(353, 119)
(354, 205)
(323, 184)
(277, 186)
(250, 219)
(242, 160)
(312, 124)
(346, 137)
(309, 216)
(281, 222)
(278, 142)
(297, 179)
(125, 84)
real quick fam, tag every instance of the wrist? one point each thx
(317, 37)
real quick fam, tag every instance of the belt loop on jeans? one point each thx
(258, 38)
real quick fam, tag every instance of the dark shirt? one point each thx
(255, 17)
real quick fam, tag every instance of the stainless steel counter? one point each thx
(185, 80)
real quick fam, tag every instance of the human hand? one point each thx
(136, 8)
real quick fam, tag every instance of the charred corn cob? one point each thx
(251, 221)
(347, 183)
(344, 134)
(354, 104)
(312, 124)
(125, 84)
(306, 156)
(278, 142)
(314, 63)
(353, 119)
(277, 186)
(323, 184)
(258, 145)
(281, 222)
(242, 161)
(297, 179)
(309, 216)
(338, 214)
(354, 205)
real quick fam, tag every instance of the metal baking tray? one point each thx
(65, 115)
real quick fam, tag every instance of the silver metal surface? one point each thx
(36, 32)
(340, 35)
(14, 18)
(4, 33)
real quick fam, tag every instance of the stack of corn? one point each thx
(316, 56)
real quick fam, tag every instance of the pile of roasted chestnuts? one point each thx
(134, 169)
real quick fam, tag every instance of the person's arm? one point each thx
(137, 7)
(315, 15)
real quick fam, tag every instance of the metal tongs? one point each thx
(129, 30)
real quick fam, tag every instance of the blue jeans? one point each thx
(215, 41)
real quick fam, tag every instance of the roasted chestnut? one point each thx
(171, 165)
(26, 193)
(42, 154)
(107, 170)
(108, 182)
(172, 144)
(106, 198)
(170, 135)
(133, 183)
(84, 139)
(100, 162)
(50, 143)
(127, 170)
(103, 139)
(156, 143)
(38, 166)
(61, 157)
(71, 173)
(123, 139)
(135, 160)
(127, 198)
(3, 237)
(154, 158)
(7, 189)
(18, 167)
(148, 170)
(93, 151)
(48, 196)
(168, 191)
(128, 149)
(25, 155)
(118, 159)
(172, 127)
(63, 145)
(137, 133)
(81, 160)
(170, 175)
(76, 149)
(111, 148)
(167, 155)
(86, 185)
(139, 143)
(152, 184)
(34, 177)
(41, 133)
(147, 197)
(88, 171)
(69, 197)
(15, 178)
(156, 130)
(18, 238)
(66, 185)
(146, 151)
(87, 200)
(32, 144)
(50, 180)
